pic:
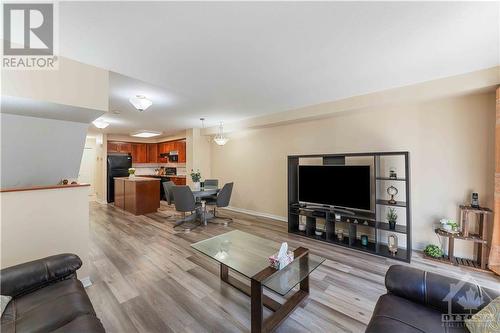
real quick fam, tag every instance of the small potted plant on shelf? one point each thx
(433, 251)
(131, 172)
(449, 225)
(196, 177)
(392, 217)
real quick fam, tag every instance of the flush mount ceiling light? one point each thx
(220, 139)
(140, 102)
(100, 123)
(145, 134)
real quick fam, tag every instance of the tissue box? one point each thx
(280, 264)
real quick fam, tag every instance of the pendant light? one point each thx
(220, 139)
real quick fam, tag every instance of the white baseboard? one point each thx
(256, 213)
(86, 281)
(102, 202)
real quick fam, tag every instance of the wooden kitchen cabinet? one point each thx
(169, 146)
(139, 153)
(139, 195)
(152, 152)
(162, 149)
(126, 147)
(180, 146)
(178, 180)
(149, 152)
(113, 147)
(119, 147)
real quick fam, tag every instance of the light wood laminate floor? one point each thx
(146, 278)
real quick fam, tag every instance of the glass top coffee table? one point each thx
(248, 255)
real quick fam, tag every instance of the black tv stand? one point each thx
(355, 223)
(344, 211)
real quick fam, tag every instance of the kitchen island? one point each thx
(138, 195)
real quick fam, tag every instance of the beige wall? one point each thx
(198, 154)
(40, 223)
(450, 143)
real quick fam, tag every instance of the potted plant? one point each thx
(392, 217)
(449, 225)
(131, 172)
(196, 177)
(433, 251)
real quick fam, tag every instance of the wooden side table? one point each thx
(481, 238)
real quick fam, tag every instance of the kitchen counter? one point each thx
(138, 195)
(168, 176)
(138, 179)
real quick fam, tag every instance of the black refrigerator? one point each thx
(118, 165)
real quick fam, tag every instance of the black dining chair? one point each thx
(185, 203)
(222, 200)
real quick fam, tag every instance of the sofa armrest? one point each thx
(436, 291)
(30, 276)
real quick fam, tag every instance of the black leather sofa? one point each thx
(420, 301)
(47, 297)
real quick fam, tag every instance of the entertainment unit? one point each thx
(344, 199)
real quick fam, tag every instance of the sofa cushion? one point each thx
(49, 309)
(487, 320)
(396, 314)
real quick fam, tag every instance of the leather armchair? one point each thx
(46, 297)
(416, 301)
(25, 278)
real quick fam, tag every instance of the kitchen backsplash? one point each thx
(149, 168)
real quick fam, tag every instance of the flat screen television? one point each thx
(346, 186)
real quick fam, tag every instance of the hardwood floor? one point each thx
(146, 278)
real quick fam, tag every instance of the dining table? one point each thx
(199, 195)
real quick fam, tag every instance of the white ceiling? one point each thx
(234, 60)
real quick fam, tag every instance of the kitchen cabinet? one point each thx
(152, 152)
(180, 146)
(178, 180)
(169, 146)
(137, 195)
(113, 147)
(139, 153)
(149, 152)
(119, 147)
(162, 149)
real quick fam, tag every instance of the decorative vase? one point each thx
(392, 244)
(131, 176)
(392, 225)
(196, 186)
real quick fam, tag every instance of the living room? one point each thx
(288, 167)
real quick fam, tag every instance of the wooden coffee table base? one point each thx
(258, 299)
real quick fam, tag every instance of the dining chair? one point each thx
(169, 196)
(222, 200)
(211, 182)
(185, 203)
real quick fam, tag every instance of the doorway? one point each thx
(87, 170)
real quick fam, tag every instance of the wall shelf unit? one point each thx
(371, 223)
